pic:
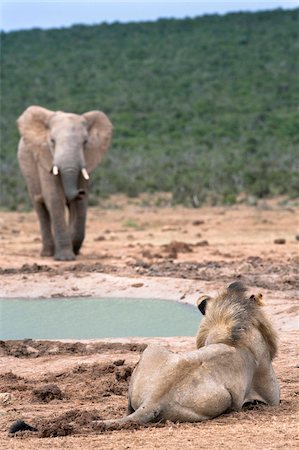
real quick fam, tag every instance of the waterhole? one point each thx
(89, 318)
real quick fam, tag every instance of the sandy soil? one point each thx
(137, 249)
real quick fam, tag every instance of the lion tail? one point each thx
(20, 425)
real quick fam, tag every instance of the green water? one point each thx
(87, 318)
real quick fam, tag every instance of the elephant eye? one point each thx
(52, 141)
(85, 141)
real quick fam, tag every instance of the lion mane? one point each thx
(229, 318)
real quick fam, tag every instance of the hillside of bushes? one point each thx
(204, 108)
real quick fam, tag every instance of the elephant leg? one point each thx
(78, 209)
(29, 169)
(63, 245)
(54, 199)
(45, 228)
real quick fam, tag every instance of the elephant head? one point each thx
(68, 145)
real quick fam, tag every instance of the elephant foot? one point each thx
(64, 255)
(77, 243)
(76, 249)
(47, 251)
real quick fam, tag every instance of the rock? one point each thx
(119, 362)
(244, 268)
(201, 244)
(168, 228)
(177, 247)
(5, 398)
(100, 238)
(279, 241)
(54, 350)
(32, 351)
(137, 285)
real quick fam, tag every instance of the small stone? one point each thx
(201, 244)
(31, 350)
(279, 241)
(137, 285)
(54, 350)
(100, 238)
(5, 398)
(168, 228)
(119, 362)
(245, 267)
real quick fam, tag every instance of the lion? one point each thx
(231, 366)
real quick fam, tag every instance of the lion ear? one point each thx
(99, 138)
(33, 125)
(201, 303)
(258, 299)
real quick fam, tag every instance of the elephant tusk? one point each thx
(84, 173)
(55, 170)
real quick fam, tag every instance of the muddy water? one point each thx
(88, 318)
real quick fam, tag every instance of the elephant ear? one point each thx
(33, 125)
(99, 138)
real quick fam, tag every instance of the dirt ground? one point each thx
(134, 248)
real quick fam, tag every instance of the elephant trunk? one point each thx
(70, 182)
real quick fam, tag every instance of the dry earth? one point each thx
(136, 249)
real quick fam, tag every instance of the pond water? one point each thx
(89, 318)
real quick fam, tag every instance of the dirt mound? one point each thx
(27, 268)
(9, 382)
(28, 348)
(47, 393)
(96, 381)
(254, 271)
(71, 422)
(38, 268)
(175, 247)
(123, 374)
(55, 427)
(84, 422)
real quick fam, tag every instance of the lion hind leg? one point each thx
(185, 414)
(265, 387)
(141, 416)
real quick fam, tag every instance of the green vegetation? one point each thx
(131, 223)
(204, 108)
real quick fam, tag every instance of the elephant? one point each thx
(57, 152)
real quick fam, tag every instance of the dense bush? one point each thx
(204, 108)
